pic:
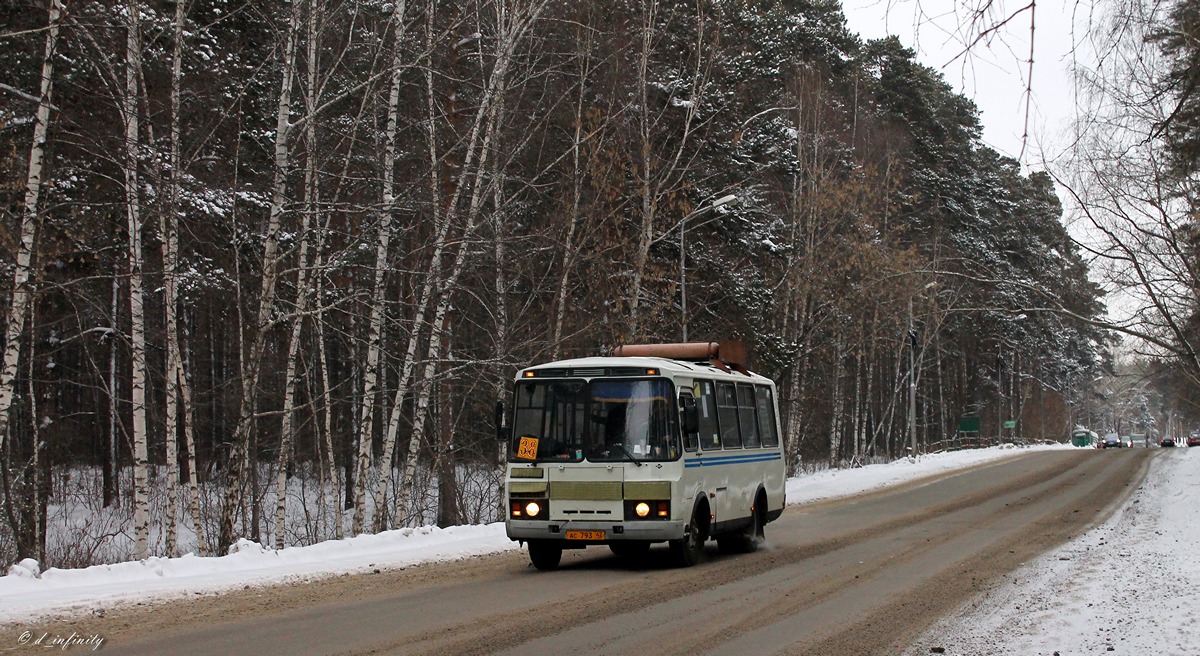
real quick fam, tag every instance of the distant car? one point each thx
(1167, 441)
(1112, 442)
(1193, 440)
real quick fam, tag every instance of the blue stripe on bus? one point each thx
(732, 459)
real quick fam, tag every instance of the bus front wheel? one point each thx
(686, 551)
(545, 554)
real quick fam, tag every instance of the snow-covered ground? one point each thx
(1129, 586)
(1142, 598)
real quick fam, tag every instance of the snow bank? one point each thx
(834, 483)
(24, 594)
(27, 593)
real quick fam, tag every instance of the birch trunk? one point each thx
(334, 501)
(137, 315)
(501, 285)
(447, 506)
(408, 365)
(189, 437)
(835, 424)
(330, 473)
(379, 291)
(30, 220)
(112, 469)
(425, 388)
(41, 466)
(794, 417)
(512, 26)
(444, 301)
(499, 232)
(287, 429)
(869, 410)
(170, 246)
(856, 417)
(334, 492)
(266, 300)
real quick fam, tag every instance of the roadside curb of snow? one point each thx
(61, 594)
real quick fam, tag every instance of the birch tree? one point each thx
(137, 313)
(330, 484)
(270, 277)
(442, 227)
(513, 24)
(291, 381)
(378, 290)
(168, 221)
(30, 221)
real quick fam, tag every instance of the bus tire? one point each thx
(630, 548)
(545, 554)
(752, 536)
(686, 551)
(749, 538)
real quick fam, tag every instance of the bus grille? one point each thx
(586, 490)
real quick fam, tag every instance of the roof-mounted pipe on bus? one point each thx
(726, 355)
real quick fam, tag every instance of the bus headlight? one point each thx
(529, 508)
(639, 510)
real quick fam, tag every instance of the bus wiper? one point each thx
(627, 453)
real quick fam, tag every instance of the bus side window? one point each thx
(687, 404)
(727, 415)
(746, 421)
(706, 408)
(766, 416)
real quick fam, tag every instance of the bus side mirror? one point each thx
(691, 418)
(501, 432)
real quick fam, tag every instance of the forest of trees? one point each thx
(254, 240)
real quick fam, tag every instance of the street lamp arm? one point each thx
(724, 200)
(763, 113)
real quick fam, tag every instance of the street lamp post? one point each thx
(724, 200)
(912, 374)
(912, 381)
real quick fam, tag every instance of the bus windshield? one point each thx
(601, 421)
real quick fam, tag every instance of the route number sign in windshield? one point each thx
(527, 448)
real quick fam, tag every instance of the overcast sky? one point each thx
(994, 73)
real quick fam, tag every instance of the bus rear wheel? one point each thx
(747, 539)
(545, 554)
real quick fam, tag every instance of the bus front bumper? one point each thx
(584, 533)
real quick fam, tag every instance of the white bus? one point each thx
(674, 443)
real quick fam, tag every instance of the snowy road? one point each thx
(862, 575)
(1128, 587)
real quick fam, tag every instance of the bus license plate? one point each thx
(585, 535)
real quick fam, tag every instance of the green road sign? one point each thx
(1010, 424)
(968, 424)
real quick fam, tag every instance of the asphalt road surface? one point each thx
(864, 575)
